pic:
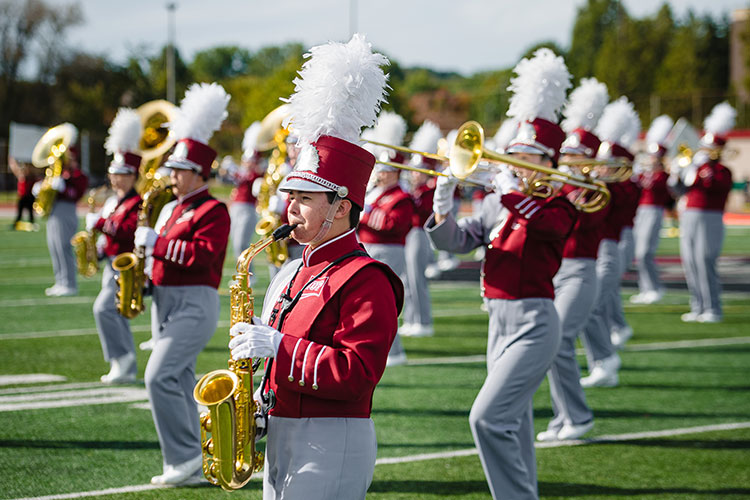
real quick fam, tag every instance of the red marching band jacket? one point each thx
(632, 196)
(337, 336)
(522, 259)
(192, 243)
(654, 189)
(422, 197)
(389, 220)
(617, 213)
(583, 242)
(76, 183)
(119, 226)
(711, 188)
(243, 193)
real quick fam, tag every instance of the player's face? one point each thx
(308, 210)
(122, 182)
(184, 181)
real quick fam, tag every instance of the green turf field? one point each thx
(77, 436)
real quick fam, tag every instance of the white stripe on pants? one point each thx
(114, 329)
(575, 291)
(62, 224)
(319, 458)
(648, 221)
(701, 239)
(186, 318)
(523, 338)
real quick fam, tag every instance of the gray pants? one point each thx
(701, 238)
(243, 219)
(575, 291)
(626, 247)
(524, 336)
(596, 334)
(319, 458)
(394, 257)
(114, 329)
(62, 224)
(646, 230)
(186, 318)
(417, 309)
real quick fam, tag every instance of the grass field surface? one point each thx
(678, 426)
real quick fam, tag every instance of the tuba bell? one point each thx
(50, 154)
(156, 140)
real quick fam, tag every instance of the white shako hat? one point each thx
(201, 113)
(582, 112)
(122, 141)
(657, 135)
(538, 96)
(338, 92)
(717, 125)
(425, 139)
(250, 141)
(618, 128)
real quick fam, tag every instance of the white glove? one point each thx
(91, 220)
(505, 181)
(689, 174)
(57, 183)
(442, 202)
(36, 188)
(145, 237)
(564, 169)
(254, 341)
(276, 204)
(257, 185)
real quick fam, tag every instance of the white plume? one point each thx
(540, 87)
(721, 119)
(250, 139)
(659, 129)
(124, 134)
(390, 129)
(338, 92)
(426, 138)
(201, 112)
(505, 134)
(618, 122)
(585, 105)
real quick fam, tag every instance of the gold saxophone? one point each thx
(84, 242)
(49, 154)
(228, 429)
(130, 265)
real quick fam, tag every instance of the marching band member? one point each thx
(575, 281)
(417, 307)
(328, 319)
(388, 210)
(117, 222)
(62, 223)
(188, 246)
(26, 178)
(524, 236)
(616, 126)
(648, 220)
(706, 183)
(242, 209)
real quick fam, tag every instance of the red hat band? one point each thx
(581, 142)
(609, 150)
(339, 164)
(189, 154)
(539, 136)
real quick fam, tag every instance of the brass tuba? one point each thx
(130, 265)
(156, 140)
(228, 429)
(84, 242)
(49, 153)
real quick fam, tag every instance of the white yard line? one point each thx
(30, 378)
(52, 301)
(448, 454)
(72, 333)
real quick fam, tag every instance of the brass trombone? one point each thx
(468, 151)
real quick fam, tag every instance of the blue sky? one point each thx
(460, 35)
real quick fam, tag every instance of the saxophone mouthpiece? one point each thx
(283, 232)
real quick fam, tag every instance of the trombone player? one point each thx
(117, 222)
(524, 236)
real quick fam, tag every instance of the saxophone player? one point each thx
(117, 222)
(329, 318)
(188, 245)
